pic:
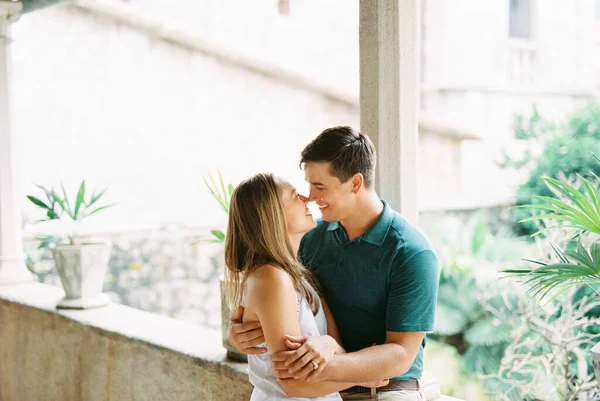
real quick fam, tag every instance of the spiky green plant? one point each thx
(578, 211)
(57, 206)
(221, 192)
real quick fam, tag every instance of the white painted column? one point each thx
(12, 259)
(389, 96)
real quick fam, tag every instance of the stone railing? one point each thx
(110, 353)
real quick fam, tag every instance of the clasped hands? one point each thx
(306, 357)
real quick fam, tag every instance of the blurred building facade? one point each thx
(147, 96)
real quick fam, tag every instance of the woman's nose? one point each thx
(304, 199)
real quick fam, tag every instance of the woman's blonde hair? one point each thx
(257, 235)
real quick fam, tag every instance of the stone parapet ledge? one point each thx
(110, 353)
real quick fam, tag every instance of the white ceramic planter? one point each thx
(595, 351)
(82, 269)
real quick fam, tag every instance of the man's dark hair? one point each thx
(348, 151)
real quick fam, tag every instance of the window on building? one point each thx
(520, 19)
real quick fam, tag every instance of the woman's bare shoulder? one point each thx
(267, 284)
(267, 275)
(268, 278)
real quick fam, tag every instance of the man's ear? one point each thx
(357, 182)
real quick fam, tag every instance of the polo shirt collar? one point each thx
(376, 234)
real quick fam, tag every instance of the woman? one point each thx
(267, 219)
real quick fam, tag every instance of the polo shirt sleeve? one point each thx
(413, 292)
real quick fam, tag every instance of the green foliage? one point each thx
(475, 316)
(460, 313)
(221, 192)
(457, 302)
(576, 268)
(479, 236)
(547, 358)
(554, 151)
(472, 306)
(575, 265)
(504, 341)
(218, 190)
(57, 206)
(589, 291)
(535, 127)
(488, 332)
(482, 359)
(578, 211)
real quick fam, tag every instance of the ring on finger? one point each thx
(315, 365)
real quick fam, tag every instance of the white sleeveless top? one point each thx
(261, 373)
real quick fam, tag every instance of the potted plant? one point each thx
(578, 262)
(81, 265)
(221, 192)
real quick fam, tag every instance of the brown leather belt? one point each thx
(393, 385)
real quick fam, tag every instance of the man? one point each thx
(377, 271)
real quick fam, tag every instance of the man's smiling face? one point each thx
(335, 198)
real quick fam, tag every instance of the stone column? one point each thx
(12, 259)
(389, 96)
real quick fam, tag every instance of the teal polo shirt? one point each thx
(385, 280)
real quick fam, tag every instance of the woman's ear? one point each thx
(357, 182)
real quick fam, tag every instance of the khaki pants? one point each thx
(401, 395)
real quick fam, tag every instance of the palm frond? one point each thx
(544, 280)
(580, 209)
(559, 253)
